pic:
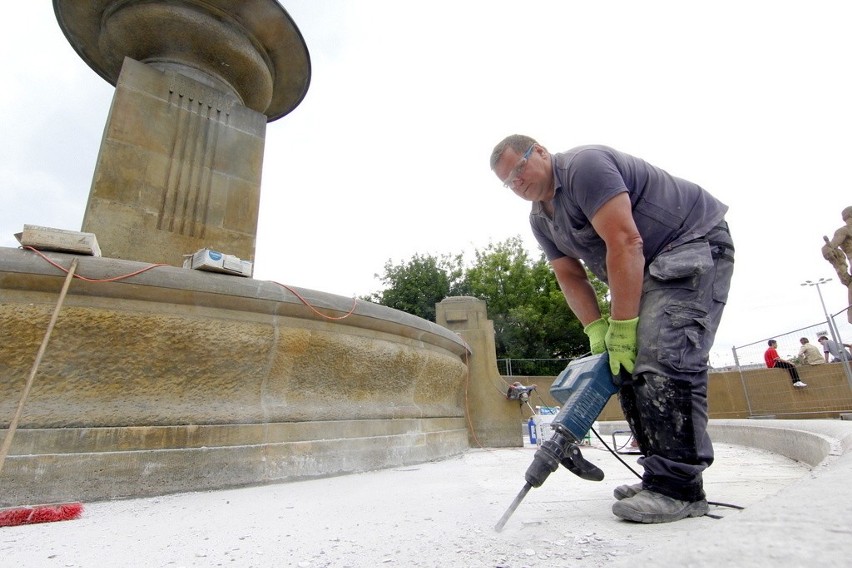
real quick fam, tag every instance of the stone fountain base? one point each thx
(180, 380)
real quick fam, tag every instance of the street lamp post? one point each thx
(822, 302)
(834, 335)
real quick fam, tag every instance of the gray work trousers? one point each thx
(665, 400)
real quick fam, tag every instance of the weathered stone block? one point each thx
(178, 158)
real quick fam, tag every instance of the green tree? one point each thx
(531, 317)
(416, 286)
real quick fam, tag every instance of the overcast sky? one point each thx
(387, 156)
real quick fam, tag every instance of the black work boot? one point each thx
(651, 507)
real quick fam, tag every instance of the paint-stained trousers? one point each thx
(665, 401)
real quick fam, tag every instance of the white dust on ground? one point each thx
(427, 515)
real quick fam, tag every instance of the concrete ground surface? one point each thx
(443, 514)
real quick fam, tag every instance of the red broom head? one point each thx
(40, 514)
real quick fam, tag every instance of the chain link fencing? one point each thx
(767, 392)
(531, 367)
(770, 392)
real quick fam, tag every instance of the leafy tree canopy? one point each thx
(530, 315)
(416, 286)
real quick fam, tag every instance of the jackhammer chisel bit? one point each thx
(560, 449)
(502, 522)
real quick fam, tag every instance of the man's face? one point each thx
(822, 340)
(528, 175)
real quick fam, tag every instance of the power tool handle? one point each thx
(579, 466)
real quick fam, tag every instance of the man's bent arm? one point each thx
(577, 289)
(625, 259)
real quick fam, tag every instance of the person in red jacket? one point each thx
(773, 360)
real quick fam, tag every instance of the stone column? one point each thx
(496, 420)
(179, 169)
(196, 82)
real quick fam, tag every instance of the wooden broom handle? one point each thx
(13, 425)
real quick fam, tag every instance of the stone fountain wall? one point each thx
(178, 380)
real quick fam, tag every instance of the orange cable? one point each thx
(313, 309)
(113, 279)
(149, 267)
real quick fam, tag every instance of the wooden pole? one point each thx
(13, 425)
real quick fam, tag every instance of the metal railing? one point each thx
(773, 390)
(836, 327)
(531, 367)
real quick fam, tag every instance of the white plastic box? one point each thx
(215, 261)
(543, 417)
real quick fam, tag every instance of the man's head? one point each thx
(803, 340)
(822, 338)
(772, 343)
(523, 165)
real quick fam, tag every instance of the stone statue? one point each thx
(838, 251)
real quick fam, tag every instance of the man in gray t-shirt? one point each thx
(662, 245)
(837, 351)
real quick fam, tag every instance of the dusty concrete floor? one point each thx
(429, 515)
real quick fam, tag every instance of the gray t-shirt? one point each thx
(668, 211)
(837, 352)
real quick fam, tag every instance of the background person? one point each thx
(809, 354)
(662, 245)
(837, 351)
(773, 360)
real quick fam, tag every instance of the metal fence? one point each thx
(836, 327)
(768, 392)
(759, 381)
(531, 367)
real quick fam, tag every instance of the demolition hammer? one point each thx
(583, 388)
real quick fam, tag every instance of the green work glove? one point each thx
(597, 334)
(621, 344)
